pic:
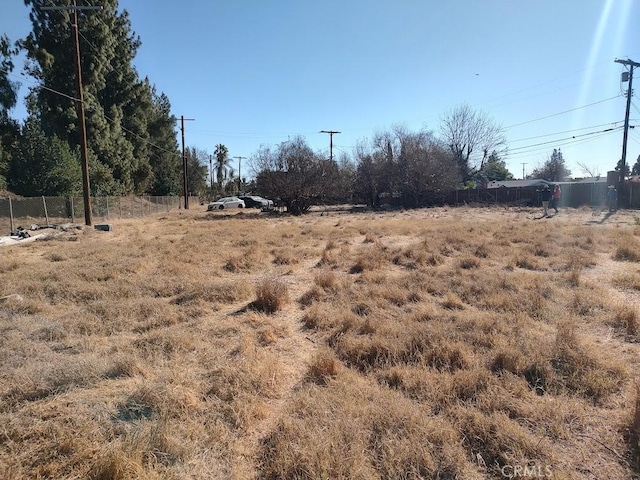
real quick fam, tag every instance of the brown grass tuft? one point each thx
(284, 257)
(626, 318)
(324, 366)
(468, 263)
(326, 279)
(628, 281)
(370, 238)
(271, 296)
(453, 302)
(627, 253)
(481, 251)
(584, 370)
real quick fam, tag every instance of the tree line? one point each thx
(132, 139)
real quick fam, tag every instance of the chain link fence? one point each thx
(43, 211)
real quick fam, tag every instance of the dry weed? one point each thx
(627, 281)
(625, 317)
(326, 279)
(582, 370)
(271, 296)
(323, 366)
(628, 250)
(468, 263)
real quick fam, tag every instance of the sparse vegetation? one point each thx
(416, 346)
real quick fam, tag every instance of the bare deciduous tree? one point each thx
(591, 171)
(471, 135)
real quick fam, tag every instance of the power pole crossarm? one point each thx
(331, 133)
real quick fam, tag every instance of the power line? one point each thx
(561, 113)
(22, 76)
(528, 151)
(99, 111)
(249, 135)
(568, 138)
(564, 131)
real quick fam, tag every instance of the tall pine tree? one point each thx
(119, 105)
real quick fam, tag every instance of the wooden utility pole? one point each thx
(211, 173)
(331, 133)
(239, 172)
(84, 156)
(631, 65)
(185, 180)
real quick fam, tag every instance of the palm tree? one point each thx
(222, 163)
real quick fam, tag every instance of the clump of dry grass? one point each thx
(434, 259)
(367, 262)
(482, 251)
(326, 279)
(326, 435)
(249, 260)
(321, 317)
(625, 317)
(284, 257)
(584, 370)
(468, 263)
(412, 257)
(314, 294)
(627, 250)
(324, 366)
(369, 237)
(526, 262)
(271, 296)
(629, 281)
(453, 302)
(509, 360)
(500, 441)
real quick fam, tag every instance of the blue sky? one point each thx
(257, 72)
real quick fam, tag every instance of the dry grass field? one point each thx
(436, 343)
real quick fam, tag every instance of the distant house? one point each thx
(591, 180)
(535, 183)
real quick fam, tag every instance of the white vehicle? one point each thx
(256, 201)
(225, 202)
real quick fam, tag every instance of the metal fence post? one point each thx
(10, 216)
(44, 202)
(107, 207)
(73, 218)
